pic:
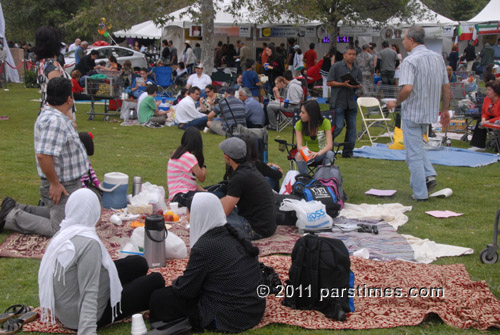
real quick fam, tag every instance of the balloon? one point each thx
(101, 31)
(106, 34)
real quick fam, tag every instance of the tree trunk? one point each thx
(208, 31)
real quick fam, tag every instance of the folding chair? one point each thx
(285, 118)
(221, 78)
(373, 116)
(164, 79)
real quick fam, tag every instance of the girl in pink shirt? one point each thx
(185, 167)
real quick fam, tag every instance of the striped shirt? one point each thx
(55, 136)
(426, 71)
(180, 177)
(233, 111)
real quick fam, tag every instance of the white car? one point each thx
(122, 54)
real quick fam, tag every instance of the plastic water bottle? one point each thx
(448, 144)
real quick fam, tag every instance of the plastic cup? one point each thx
(115, 219)
(287, 102)
(174, 206)
(138, 325)
(266, 66)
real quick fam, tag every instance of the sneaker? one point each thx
(476, 149)
(431, 183)
(416, 199)
(205, 130)
(7, 205)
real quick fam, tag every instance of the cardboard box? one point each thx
(457, 125)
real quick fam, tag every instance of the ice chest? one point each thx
(115, 188)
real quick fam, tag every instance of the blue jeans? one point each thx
(198, 123)
(349, 117)
(416, 157)
(327, 159)
(243, 226)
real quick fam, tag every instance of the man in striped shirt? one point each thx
(423, 77)
(61, 161)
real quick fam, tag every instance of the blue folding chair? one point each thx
(164, 80)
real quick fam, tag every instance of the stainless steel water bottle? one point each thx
(137, 186)
(155, 235)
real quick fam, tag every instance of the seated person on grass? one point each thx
(255, 215)
(139, 84)
(254, 112)
(186, 113)
(230, 112)
(148, 109)
(79, 284)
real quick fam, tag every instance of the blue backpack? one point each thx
(326, 191)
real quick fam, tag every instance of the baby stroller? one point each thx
(490, 255)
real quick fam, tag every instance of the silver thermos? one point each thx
(137, 186)
(155, 235)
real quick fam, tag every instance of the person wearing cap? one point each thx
(230, 116)
(254, 112)
(298, 60)
(199, 79)
(186, 113)
(255, 215)
(366, 65)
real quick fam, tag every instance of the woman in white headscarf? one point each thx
(218, 290)
(79, 283)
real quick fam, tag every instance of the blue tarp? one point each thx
(446, 156)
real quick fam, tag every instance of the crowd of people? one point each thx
(217, 290)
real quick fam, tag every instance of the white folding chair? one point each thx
(372, 115)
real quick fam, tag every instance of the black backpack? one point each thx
(321, 277)
(325, 191)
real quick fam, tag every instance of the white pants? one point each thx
(326, 89)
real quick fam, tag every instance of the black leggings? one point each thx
(137, 288)
(166, 306)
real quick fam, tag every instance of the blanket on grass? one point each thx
(465, 304)
(387, 245)
(451, 157)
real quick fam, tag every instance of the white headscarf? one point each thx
(83, 211)
(206, 213)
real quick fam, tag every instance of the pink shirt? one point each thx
(180, 177)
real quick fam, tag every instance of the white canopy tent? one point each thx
(144, 30)
(429, 19)
(490, 13)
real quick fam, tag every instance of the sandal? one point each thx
(12, 326)
(13, 311)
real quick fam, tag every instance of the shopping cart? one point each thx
(105, 85)
(490, 255)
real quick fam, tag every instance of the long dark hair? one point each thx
(315, 117)
(192, 142)
(273, 56)
(47, 42)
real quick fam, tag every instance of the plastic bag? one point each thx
(174, 246)
(150, 194)
(311, 215)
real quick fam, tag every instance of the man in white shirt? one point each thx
(186, 113)
(73, 46)
(199, 79)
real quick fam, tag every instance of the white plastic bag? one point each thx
(311, 215)
(288, 181)
(174, 245)
(150, 194)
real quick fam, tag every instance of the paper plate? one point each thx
(128, 217)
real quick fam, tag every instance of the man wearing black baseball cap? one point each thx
(255, 215)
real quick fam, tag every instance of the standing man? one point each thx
(342, 99)
(470, 55)
(73, 46)
(165, 52)
(389, 61)
(365, 63)
(497, 50)
(310, 56)
(245, 53)
(487, 57)
(61, 161)
(423, 77)
(173, 53)
(80, 51)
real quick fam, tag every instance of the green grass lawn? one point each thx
(139, 151)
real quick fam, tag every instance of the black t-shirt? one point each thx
(256, 202)
(85, 65)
